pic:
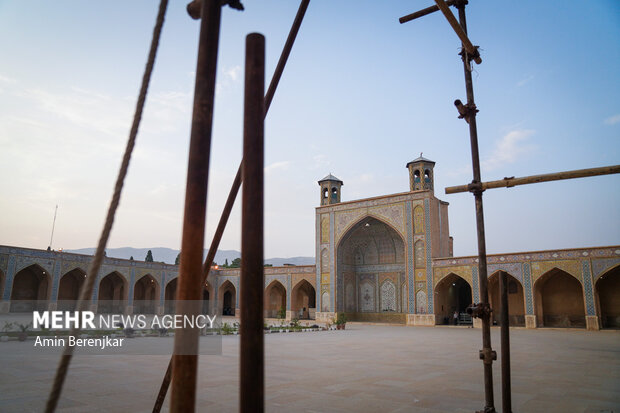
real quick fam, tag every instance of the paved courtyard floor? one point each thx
(366, 368)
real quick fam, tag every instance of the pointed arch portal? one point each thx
(370, 272)
(275, 299)
(69, 289)
(112, 293)
(303, 300)
(32, 287)
(559, 300)
(608, 298)
(516, 302)
(452, 294)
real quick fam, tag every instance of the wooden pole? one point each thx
(185, 358)
(459, 30)
(252, 356)
(534, 179)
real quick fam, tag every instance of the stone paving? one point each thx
(366, 368)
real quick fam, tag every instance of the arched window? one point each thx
(427, 175)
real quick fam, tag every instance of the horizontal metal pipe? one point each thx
(534, 179)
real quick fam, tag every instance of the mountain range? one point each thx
(168, 255)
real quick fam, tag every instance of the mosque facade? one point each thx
(382, 259)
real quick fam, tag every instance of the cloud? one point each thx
(233, 73)
(612, 120)
(283, 165)
(320, 161)
(525, 81)
(509, 149)
(6, 79)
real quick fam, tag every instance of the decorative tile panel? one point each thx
(324, 228)
(344, 220)
(602, 265)
(587, 287)
(429, 269)
(392, 214)
(572, 267)
(422, 304)
(527, 284)
(474, 283)
(411, 305)
(367, 297)
(513, 268)
(388, 296)
(465, 272)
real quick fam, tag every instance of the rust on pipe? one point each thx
(185, 359)
(275, 79)
(487, 354)
(252, 357)
(236, 185)
(505, 335)
(462, 34)
(423, 12)
(534, 179)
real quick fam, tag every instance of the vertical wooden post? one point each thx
(252, 357)
(505, 335)
(189, 294)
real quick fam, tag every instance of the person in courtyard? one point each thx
(455, 317)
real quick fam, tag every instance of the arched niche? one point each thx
(303, 300)
(32, 288)
(452, 294)
(559, 301)
(112, 294)
(516, 301)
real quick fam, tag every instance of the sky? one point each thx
(360, 97)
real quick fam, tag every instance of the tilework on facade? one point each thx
(429, 269)
(332, 250)
(388, 296)
(587, 287)
(539, 268)
(373, 268)
(55, 282)
(422, 303)
(527, 283)
(132, 280)
(392, 214)
(10, 274)
(474, 282)
(602, 265)
(4, 263)
(324, 228)
(418, 220)
(367, 296)
(463, 271)
(282, 279)
(512, 268)
(343, 221)
(412, 307)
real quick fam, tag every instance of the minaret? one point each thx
(330, 190)
(421, 176)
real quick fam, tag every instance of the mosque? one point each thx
(382, 259)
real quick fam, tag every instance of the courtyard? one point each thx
(365, 368)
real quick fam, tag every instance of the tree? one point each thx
(149, 257)
(226, 263)
(236, 263)
(131, 258)
(177, 260)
